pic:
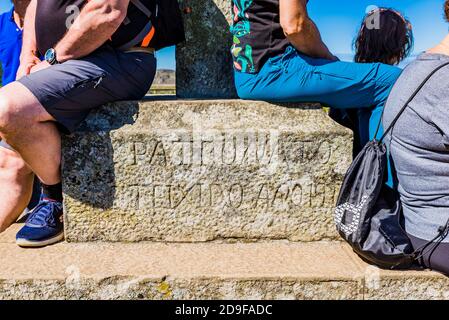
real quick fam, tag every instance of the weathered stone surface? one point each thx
(139, 288)
(410, 285)
(416, 286)
(204, 170)
(187, 271)
(204, 64)
(276, 270)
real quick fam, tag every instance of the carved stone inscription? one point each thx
(226, 149)
(204, 170)
(215, 196)
(193, 170)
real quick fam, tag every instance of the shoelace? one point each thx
(43, 214)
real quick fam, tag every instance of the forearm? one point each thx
(29, 47)
(309, 41)
(96, 23)
(300, 30)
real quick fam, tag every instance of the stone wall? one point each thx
(203, 62)
(204, 170)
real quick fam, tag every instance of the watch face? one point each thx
(50, 55)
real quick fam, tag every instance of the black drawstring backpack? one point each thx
(368, 214)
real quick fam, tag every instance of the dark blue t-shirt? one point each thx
(53, 19)
(10, 46)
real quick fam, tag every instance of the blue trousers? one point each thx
(294, 77)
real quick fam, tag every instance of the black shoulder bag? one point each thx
(368, 214)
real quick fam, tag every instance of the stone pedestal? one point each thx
(204, 63)
(204, 170)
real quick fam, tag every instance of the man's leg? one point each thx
(61, 97)
(30, 129)
(16, 180)
(36, 194)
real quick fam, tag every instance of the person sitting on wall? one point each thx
(419, 147)
(14, 172)
(279, 56)
(390, 43)
(82, 70)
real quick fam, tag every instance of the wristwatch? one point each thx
(50, 57)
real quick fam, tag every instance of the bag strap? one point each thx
(407, 103)
(139, 5)
(142, 7)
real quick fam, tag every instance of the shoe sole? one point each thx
(37, 244)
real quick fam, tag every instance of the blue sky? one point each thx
(339, 20)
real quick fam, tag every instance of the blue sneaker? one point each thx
(43, 227)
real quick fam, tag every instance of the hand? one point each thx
(335, 58)
(26, 66)
(40, 66)
(331, 57)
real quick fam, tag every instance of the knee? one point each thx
(7, 114)
(394, 74)
(13, 117)
(388, 75)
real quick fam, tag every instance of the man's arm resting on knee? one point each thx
(301, 31)
(28, 56)
(96, 23)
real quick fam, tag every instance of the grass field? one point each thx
(163, 89)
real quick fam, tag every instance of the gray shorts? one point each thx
(69, 91)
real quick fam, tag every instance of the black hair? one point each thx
(389, 42)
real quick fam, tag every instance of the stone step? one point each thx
(276, 270)
(189, 171)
